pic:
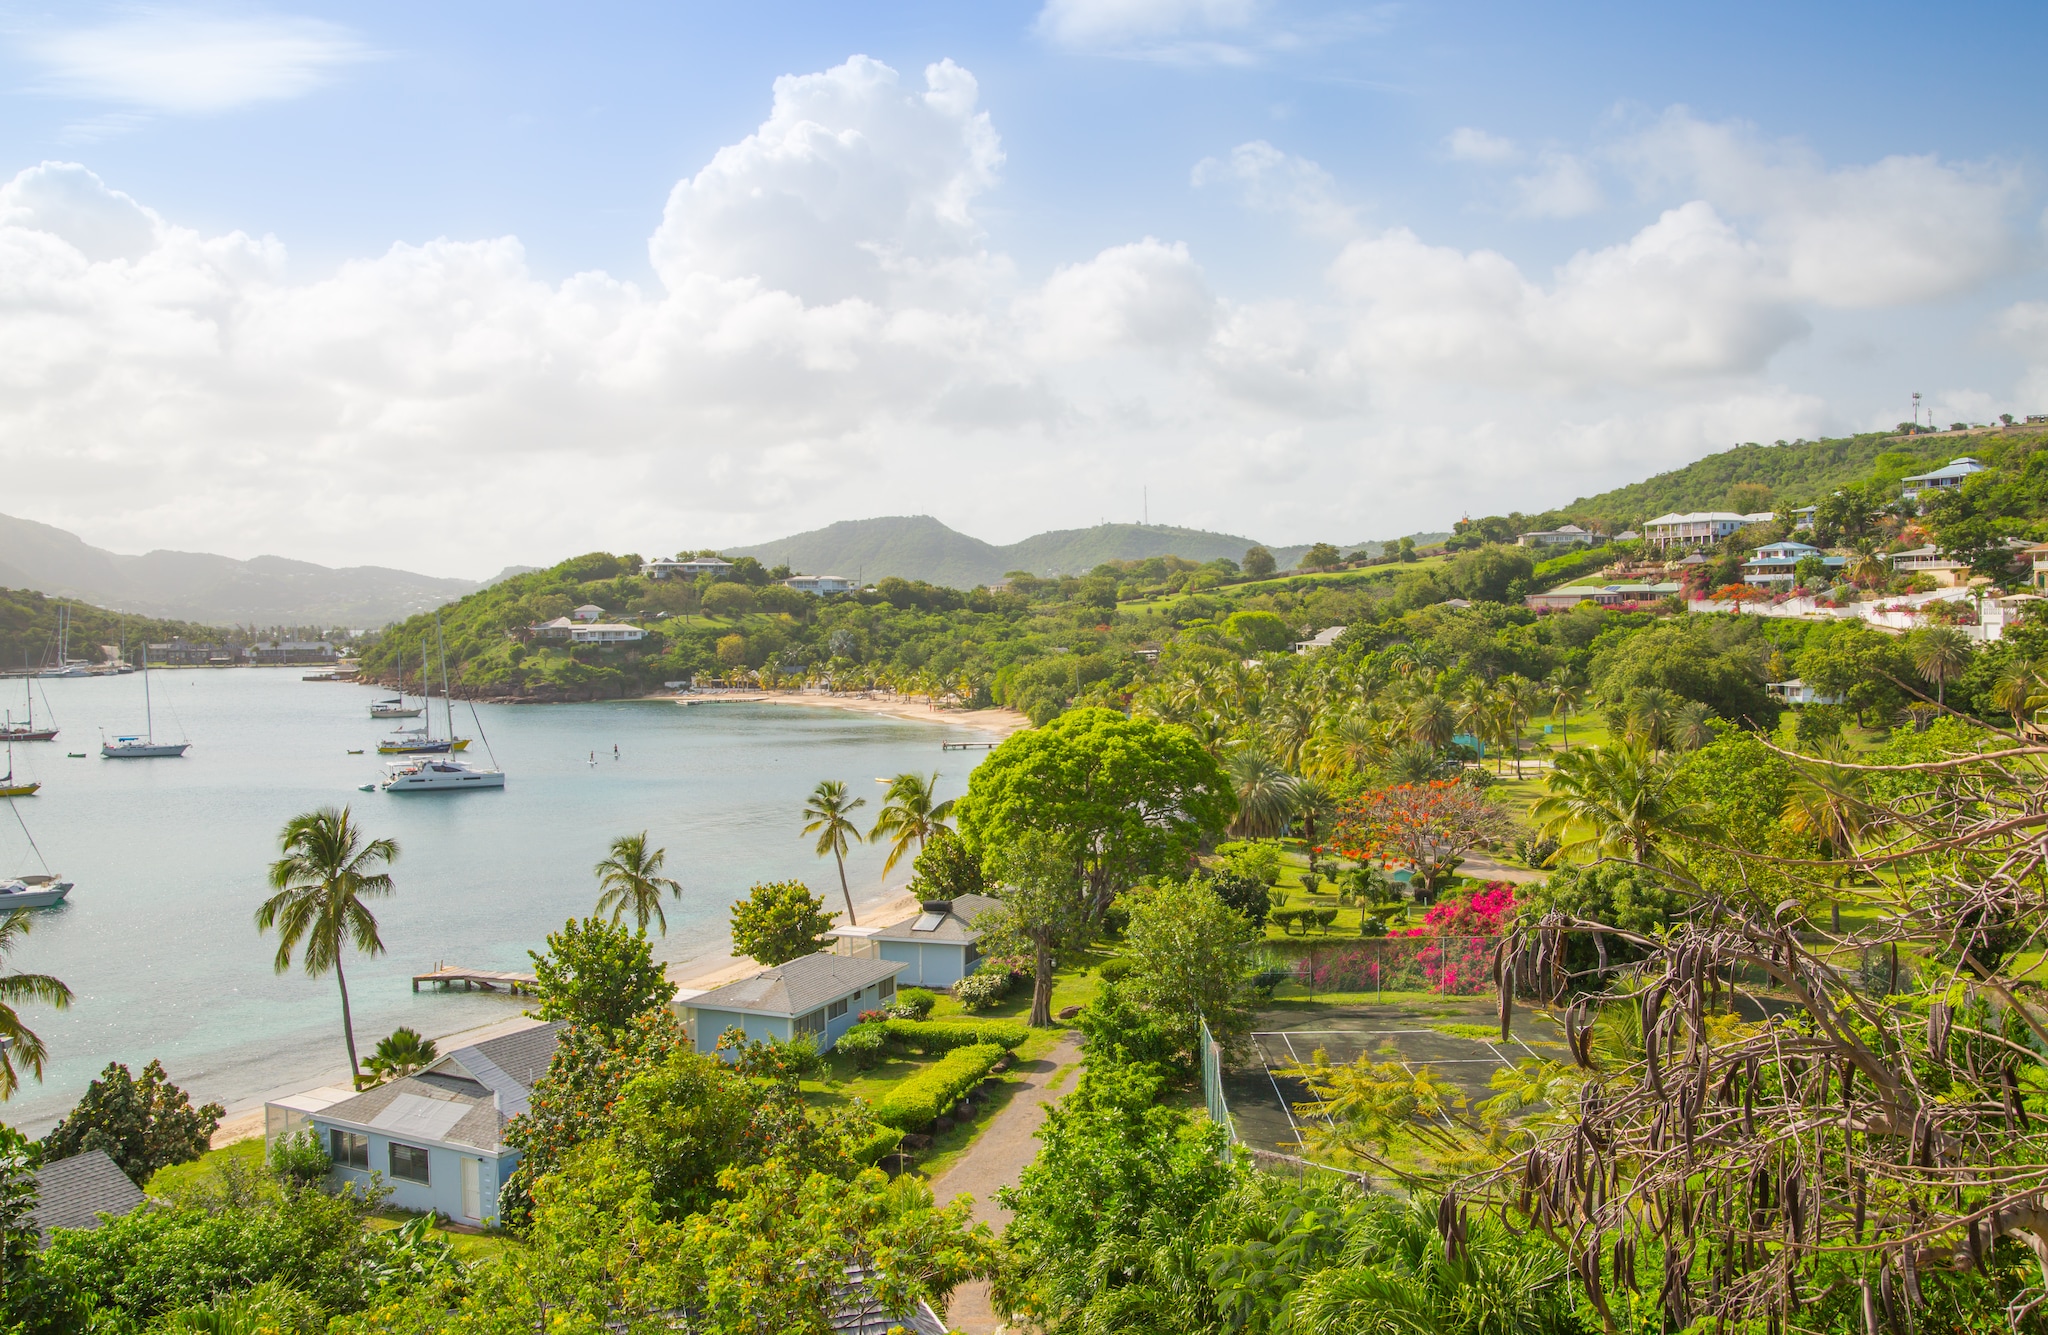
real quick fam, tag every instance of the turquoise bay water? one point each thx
(158, 940)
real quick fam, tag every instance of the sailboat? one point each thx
(145, 747)
(421, 741)
(430, 774)
(34, 890)
(27, 732)
(65, 667)
(8, 787)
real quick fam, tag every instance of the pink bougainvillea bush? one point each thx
(1451, 953)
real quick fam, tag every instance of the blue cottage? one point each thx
(437, 1139)
(938, 947)
(821, 995)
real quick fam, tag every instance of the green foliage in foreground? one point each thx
(143, 1125)
(598, 974)
(929, 1036)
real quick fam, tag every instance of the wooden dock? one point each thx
(968, 746)
(490, 980)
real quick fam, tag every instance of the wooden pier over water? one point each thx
(968, 746)
(490, 980)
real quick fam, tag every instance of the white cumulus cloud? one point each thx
(1272, 181)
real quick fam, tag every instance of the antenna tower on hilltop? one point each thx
(1916, 407)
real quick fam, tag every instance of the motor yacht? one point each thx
(32, 892)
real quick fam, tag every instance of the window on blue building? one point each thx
(348, 1150)
(408, 1163)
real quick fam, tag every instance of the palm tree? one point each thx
(1430, 721)
(1267, 795)
(1830, 801)
(1566, 692)
(401, 1053)
(17, 1041)
(1651, 712)
(1691, 727)
(325, 874)
(630, 881)
(827, 811)
(1940, 653)
(2021, 691)
(911, 815)
(1613, 801)
(1519, 697)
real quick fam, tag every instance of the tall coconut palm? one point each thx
(1613, 801)
(19, 1043)
(1940, 653)
(1566, 692)
(1691, 726)
(326, 872)
(1519, 698)
(911, 815)
(828, 812)
(1831, 802)
(2021, 691)
(1651, 710)
(629, 880)
(1268, 797)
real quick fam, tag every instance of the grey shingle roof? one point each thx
(796, 987)
(411, 1110)
(75, 1192)
(507, 1065)
(955, 926)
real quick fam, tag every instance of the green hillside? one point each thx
(1799, 473)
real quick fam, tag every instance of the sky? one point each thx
(457, 286)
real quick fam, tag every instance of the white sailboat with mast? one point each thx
(145, 747)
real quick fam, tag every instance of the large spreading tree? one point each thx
(1127, 797)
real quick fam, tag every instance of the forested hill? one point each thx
(28, 630)
(1799, 473)
(919, 547)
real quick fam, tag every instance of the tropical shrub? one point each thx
(143, 1125)
(779, 921)
(1116, 968)
(299, 1158)
(929, 1093)
(982, 990)
(865, 1043)
(913, 1003)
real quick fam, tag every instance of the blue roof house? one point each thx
(1941, 479)
(939, 947)
(437, 1139)
(821, 995)
(1775, 564)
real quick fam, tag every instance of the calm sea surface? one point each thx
(169, 856)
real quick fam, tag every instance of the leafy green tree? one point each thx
(598, 974)
(1045, 912)
(1258, 563)
(827, 814)
(17, 1041)
(143, 1125)
(402, 1052)
(629, 880)
(947, 869)
(911, 816)
(779, 921)
(327, 870)
(1321, 556)
(1863, 666)
(19, 1237)
(1127, 797)
(1713, 664)
(1191, 957)
(1258, 632)
(1492, 574)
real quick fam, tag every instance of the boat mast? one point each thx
(426, 696)
(148, 714)
(447, 696)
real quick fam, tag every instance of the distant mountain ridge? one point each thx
(920, 547)
(217, 590)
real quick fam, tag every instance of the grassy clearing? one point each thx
(467, 1246)
(179, 1181)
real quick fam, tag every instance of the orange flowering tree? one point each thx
(1430, 826)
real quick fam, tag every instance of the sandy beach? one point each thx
(1001, 721)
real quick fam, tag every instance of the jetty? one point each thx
(968, 746)
(490, 980)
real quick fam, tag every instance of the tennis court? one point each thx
(1262, 1100)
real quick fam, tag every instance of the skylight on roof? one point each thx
(927, 922)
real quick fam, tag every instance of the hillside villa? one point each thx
(1945, 569)
(584, 626)
(1941, 479)
(1322, 639)
(820, 584)
(1605, 595)
(1797, 692)
(821, 995)
(1569, 535)
(1701, 528)
(1778, 562)
(937, 948)
(684, 567)
(436, 1139)
(1804, 517)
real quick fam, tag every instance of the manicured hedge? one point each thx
(945, 1035)
(870, 1151)
(930, 1092)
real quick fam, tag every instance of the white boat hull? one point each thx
(142, 750)
(36, 892)
(441, 776)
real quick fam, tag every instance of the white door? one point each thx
(472, 1189)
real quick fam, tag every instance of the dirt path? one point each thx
(995, 1160)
